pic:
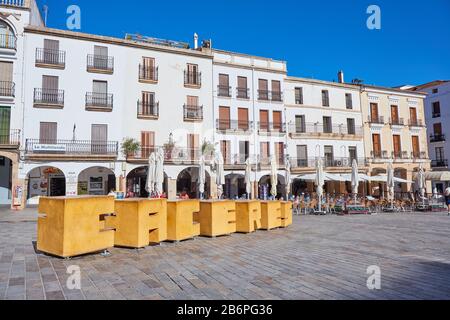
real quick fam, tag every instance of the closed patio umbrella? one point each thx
(202, 177)
(159, 172)
(320, 181)
(391, 182)
(421, 182)
(150, 186)
(355, 178)
(220, 174)
(288, 178)
(248, 178)
(273, 175)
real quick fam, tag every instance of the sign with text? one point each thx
(49, 148)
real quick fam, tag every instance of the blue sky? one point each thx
(316, 38)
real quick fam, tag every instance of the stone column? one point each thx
(172, 189)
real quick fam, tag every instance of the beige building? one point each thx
(394, 131)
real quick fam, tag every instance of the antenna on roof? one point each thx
(45, 8)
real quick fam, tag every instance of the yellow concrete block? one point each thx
(286, 214)
(180, 220)
(139, 222)
(217, 218)
(248, 216)
(270, 215)
(73, 226)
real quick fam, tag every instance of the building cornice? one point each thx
(115, 41)
(244, 66)
(397, 92)
(322, 82)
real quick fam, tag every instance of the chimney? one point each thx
(195, 41)
(341, 77)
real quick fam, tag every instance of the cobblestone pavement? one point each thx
(317, 258)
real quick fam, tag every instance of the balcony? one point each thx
(48, 98)
(192, 79)
(7, 89)
(8, 43)
(310, 163)
(243, 93)
(396, 122)
(71, 149)
(173, 156)
(263, 95)
(46, 58)
(9, 139)
(148, 74)
(313, 130)
(418, 156)
(234, 126)
(102, 102)
(266, 95)
(400, 155)
(277, 96)
(376, 120)
(379, 155)
(15, 3)
(416, 123)
(264, 162)
(193, 113)
(224, 91)
(271, 127)
(436, 115)
(439, 163)
(437, 138)
(100, 64)
(148, 110)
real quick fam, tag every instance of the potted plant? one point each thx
(169, 147)
(130, 147)
(208, 148)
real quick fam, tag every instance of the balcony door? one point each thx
(244, 151)
(48, 133)
(225, 148)
(263, 89)
(242, 87)
(193, 146)
(147, 144)
(440, 155)
(374, 112)
(100, 93)
(416, 146)
(376, 143)
(224, 85)
(265, 152)
(6, 78)
(394, 114)
(148, 103)
(99, 139)
(51, 51)
(243, 123)
(264, 120)
(100, 57)
(276, 90)
(277, 121)
(5, 129)
(397, 146)
(327, 125)
(50, 85)
(300, 125)
(224, 118)
(148, 68)
(302, 156)
(437, 128)
(329, 156)
(413, 115)
(353, 154)
(279, 152)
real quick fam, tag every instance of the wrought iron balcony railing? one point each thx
(47, 57)
(416, 123)
(71, 147)
(49, 97)
(234, 125)
(319, 128)
(328, 163)
(99, 101)
(376, 120)
(243, 93)
(192, 78)
(266, 95)
(148, 73)
(193, 113)
(443, 163)
(10, 137)
(145, 109)
(272, 127)
(96, 63)
(224, 91)
(15, 3)
(8, 41)
(172, 155)
(379, 154)
(437, 138)
(396, 122)
(7, 89)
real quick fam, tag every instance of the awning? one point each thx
(436, 176)
(328, 177)
(383, 178)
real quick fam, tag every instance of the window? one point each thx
(436, 90)
(147, 70)
(351, 126)
(224, 85)
(244, 151)
(192, 76)
(437, 127)
(51, 52)
(6, 77)
(397, 146)
(48, 133)
(325, 98)
(413, 116)
(148, 104)
(242, 89)
(264, 120)
(276, 90)
(277, 121)
(349, 101)
(5, 120)
(416, 146)
(440, 155)
(300, 125)
(147, 144)
(353, 154)
(192, 101)
(298, 95)
(225, 147)
(99, 139)
(376, 143)
(327, 125)
(263, 91)
(394, 115)
(49, 93)
(100, 57)
(193, 145)
(265, 151)
(436, 109)
(374, 118)
(329, 156)
(224, 118)
(7, 37)
(302, 156)
(243, 123)
(279, 152)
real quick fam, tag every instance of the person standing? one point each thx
(447, 199)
